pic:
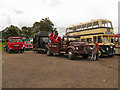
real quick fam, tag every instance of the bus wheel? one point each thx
(70, 54)
(48, 53)
(100, 53)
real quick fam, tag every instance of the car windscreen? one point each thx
(27, 42)
(45, 39)
(15, 40)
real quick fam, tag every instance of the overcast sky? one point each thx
(62, 13)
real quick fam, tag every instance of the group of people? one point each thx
(95, 52)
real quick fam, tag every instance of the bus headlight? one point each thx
(107, 48)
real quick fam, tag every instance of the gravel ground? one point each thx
(30, 70)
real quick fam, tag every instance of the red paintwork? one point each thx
(54, 38)
(116, 35)
(15, 45)
(26, 45)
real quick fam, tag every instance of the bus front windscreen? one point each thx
(15, 40)
(105, 40)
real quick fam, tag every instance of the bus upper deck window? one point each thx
(78, 27)
(89, 25)
(74, 28)
(70, 29)
(95, 24)
(110, 24)
(84, 26)
(99, 39)
(104, 23)
(67, 30)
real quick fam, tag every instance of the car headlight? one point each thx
(76, 48)
(107, 48)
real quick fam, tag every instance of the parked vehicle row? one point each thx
(17, 44)
(45, 42)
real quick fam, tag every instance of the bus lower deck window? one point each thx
(95, 39)
(82, 40)
(89, 40)
(99, 39)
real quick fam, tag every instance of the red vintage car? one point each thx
(14, 44)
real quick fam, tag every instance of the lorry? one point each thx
(69, 45)
(15, 44)
(27, 44)
(40, 40)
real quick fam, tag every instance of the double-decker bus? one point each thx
(116, 40)
(97, 31)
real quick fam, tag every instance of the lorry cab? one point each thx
(69, 45)
(27, 44)
(14, 44)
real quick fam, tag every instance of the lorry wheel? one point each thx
(9, 51)
(85, 56)
(48, 53)
(70, 54)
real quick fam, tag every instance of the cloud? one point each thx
(9, 20)
(51, 3)
(18, 11)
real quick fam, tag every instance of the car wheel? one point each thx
(70, 54)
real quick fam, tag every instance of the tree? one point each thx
(27, 32)
(11, 31)
(44, 25)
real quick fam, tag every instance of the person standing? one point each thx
(97, 45)
(94, 52)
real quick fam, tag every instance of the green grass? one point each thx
(2, 45)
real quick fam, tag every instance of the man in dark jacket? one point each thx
(94, 52)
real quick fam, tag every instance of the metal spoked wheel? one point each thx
(70, 54)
